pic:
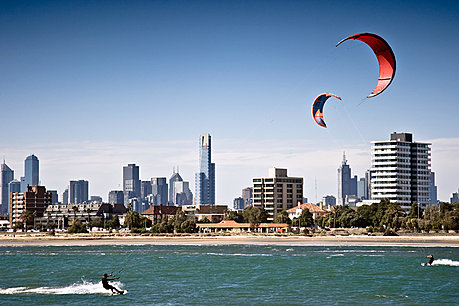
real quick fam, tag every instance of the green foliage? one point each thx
(235, 216)
(133, 219)
(283, 218)
(204, 220)
(77, 227)
(254, 216)
(27, 216)
(306, 218)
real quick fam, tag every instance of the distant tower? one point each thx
(174, 178)
(205, 178)
(131, 183)
(159, 190)
(346, 184)
(31, 171)
(6, 176)
(78, 192)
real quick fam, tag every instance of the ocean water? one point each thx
(229, 275)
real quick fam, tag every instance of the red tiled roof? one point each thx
(161, 210)
(313, 208)
(232, 223)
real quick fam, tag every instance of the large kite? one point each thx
(385, 56)
(318, 108)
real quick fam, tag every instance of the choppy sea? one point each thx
(229, 275)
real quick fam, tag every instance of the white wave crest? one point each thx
(76, 288)
(445, 262)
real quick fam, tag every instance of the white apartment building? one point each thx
(277, 192)
(400, 170)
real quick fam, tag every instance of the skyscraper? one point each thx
(6, 176)
(31, 171)
(174, 178)
(182, 193)
(346, 184)
(159, 190)
(78, 192)
(205, 178)
(131, 183)
(401, 170)
(116, 197)
(247, 196)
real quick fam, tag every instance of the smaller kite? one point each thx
(384, 55)
(318, 108)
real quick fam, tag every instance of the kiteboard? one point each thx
(122, 292)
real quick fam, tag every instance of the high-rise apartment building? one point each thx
(401, 170)
(65, 196)
(116, 197)
(78, 192)
(238, 203)
(6, 176)
(131, 183)
(205, 178)
(347, 186)
(35, 200)
(159, 190)
(145, 189)
(277, 192)
(31, 172)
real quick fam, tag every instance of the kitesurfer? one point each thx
(107, 286)
(431, 259)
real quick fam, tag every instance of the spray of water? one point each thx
(83, 287)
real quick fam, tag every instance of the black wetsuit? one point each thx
(430, 261)
(107, 285)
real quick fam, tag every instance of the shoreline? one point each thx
(351, 240)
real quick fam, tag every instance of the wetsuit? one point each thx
(430, 261)
(107, 286)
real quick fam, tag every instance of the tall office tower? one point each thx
(205, 178)
(432, 189)
(31, 171)
(131, 183)
(238, 203)
(65, 196)
(368, 175)
(145, 189)
(400, 170)
(328, 200)
(116, 197)
(159, 190)
(14, 186)
(346, 184)
(182, 194)
(247, 196)
(174, 178)
(54, 196)
(277, 192)
(362, 189)
(6, 176)
(35, 199)
(78, 192)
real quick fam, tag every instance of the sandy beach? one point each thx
(352, 240)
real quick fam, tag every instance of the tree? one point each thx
(26, 217)
(255, 216)
(306, 218)
(283, 218)
(415, 211)
(77, 227)
(132, 219)
(88, 211)
(235, 216)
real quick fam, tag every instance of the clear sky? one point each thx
(90, 86)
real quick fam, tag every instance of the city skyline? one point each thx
(245, 72)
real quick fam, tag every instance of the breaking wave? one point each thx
(445, 262)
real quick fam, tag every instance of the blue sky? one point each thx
(89, 86)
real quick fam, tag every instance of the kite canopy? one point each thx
(385, 56)
(318, 108)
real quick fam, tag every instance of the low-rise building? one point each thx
(315, 210)
(214, 213)
(233, 226)
(157, 213)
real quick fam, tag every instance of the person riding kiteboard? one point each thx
(107, 286)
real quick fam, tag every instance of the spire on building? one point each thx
(344, 158)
